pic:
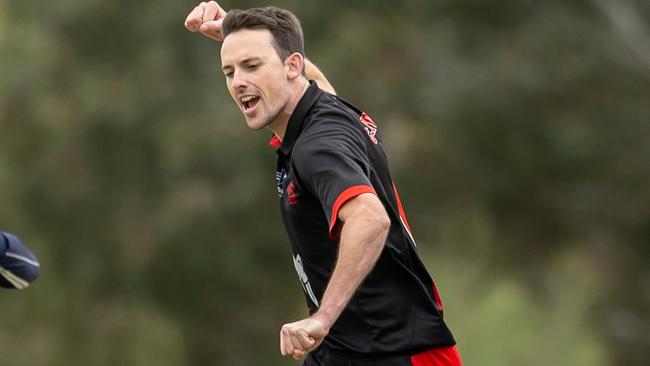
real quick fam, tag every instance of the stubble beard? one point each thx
(270, 117)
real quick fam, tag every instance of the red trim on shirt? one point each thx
(401, 210)
(444, 356)
(436, 294)
(438, 299)
(275, 141)
(343, 198)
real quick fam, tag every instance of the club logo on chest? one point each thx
(370, 127)
(280, 178)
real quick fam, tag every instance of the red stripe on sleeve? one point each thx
(444, 356)
(345, 196)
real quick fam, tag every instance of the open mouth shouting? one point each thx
(249, 103)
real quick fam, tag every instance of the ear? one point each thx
(295, 64)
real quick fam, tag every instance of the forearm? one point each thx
(361, 244)
(313, 73)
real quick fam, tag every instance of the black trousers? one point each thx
(442, 356)
(321, 357)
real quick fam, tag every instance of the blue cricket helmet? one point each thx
(18, 266)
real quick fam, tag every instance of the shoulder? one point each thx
(335, 108)
(330, 123)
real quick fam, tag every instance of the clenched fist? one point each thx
(298, 338)
(207, 19)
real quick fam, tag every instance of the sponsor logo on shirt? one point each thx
(370, 127)
(304, 280)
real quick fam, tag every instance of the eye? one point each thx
(228, 74)
(253, 66)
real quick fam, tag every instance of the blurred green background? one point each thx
(518, 132)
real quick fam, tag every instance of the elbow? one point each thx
(379, 222)
(366, 214)
(377, 216)
(383, 223)
(380, 227)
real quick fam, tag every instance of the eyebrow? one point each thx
(244, 61)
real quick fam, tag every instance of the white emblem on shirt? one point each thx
(297, 262)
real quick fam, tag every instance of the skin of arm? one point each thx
(365, 227)
(313, 73)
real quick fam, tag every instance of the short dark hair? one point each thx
(283, 25)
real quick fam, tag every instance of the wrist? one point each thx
(326, 321)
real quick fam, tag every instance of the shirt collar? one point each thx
(294, 126)
(275, 141)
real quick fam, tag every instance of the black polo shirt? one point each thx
(333, 152)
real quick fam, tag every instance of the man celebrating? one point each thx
(370, 298)
(18, 266)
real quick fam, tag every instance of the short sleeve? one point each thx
(333, 165)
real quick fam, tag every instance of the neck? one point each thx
(279, 126)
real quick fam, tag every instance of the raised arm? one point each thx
(207, 18)
(313, 73)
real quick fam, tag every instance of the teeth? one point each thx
(247, 99)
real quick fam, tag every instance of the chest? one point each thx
(302, 213)
(299, 207)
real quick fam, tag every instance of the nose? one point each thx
(238, 80)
